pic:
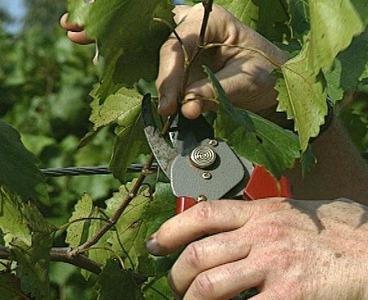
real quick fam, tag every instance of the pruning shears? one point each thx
(201, 167)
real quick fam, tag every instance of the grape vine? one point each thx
(106, 240)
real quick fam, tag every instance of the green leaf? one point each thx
(244, 10)
(349, 67)
(123, 106)
(78, 11)
(299, 18)
(253, 137)
(302, 97)
(77, 232)
(101, 254)
(328, 38)
(116, 283)
(131, 227)
(130, 142)
(19, 172)
(12, 222)
(142, 217)
(33, 261)
(158, 290)
(10, 287)
(129, 39)
(161, 208)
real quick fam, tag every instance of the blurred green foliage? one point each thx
(44, 85)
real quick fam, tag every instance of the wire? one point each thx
(88, 171)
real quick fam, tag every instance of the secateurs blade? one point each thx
(201, 167)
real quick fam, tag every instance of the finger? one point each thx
(170, 76)
(171, 70)
(67, 25)
(203, 219)
(79, 37)
(242, 81)
(226, 281)
(206, 254)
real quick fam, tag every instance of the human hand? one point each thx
(287, 249)
(76, 33)
(244, 74)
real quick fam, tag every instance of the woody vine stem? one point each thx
(207, 4)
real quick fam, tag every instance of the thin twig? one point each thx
(173, 30)
(65, 226)
(207, 4)
(124, 204)
(62, 255)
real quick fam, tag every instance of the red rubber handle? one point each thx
(263, 185)
(183, 203)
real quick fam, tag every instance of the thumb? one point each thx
(197, 100)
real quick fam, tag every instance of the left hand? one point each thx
(287, 249)
(75, 33)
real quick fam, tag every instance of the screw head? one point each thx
(201, 198)
(203, 157)
(206, 175)
(213, 143)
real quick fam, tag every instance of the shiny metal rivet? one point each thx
(206, 175)
(203, 157)
(201, 198)
(213, 143)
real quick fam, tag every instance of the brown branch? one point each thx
(63, 255)
(207, 4)
(124, 204)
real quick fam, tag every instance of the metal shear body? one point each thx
(202, 168)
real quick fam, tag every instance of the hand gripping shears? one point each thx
(201, 167)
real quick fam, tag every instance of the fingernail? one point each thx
(189, 97)
(152, 246)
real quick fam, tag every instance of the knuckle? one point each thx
(193, 255)
(204, 286)
(204, 211)
(273, 231)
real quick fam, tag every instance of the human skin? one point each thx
(290, 249)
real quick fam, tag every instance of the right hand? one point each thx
(244, 74)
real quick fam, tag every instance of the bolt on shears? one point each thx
(201, 167)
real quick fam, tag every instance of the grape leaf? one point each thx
(349, 67)
(77, 232)
(142, 217)
(131, 227)
(124, 105)
(12, 222)
(101, 253)
(158, 290)
(19, 172)
(130, 142)
(129, 39)
(244, 10)
(253, 137)
(116, 283)
(33, 261)
(10, 287)
(161, 208)
(272, 19)
(302, 96)
(327, 39)
(299, 18)
(78, 11)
